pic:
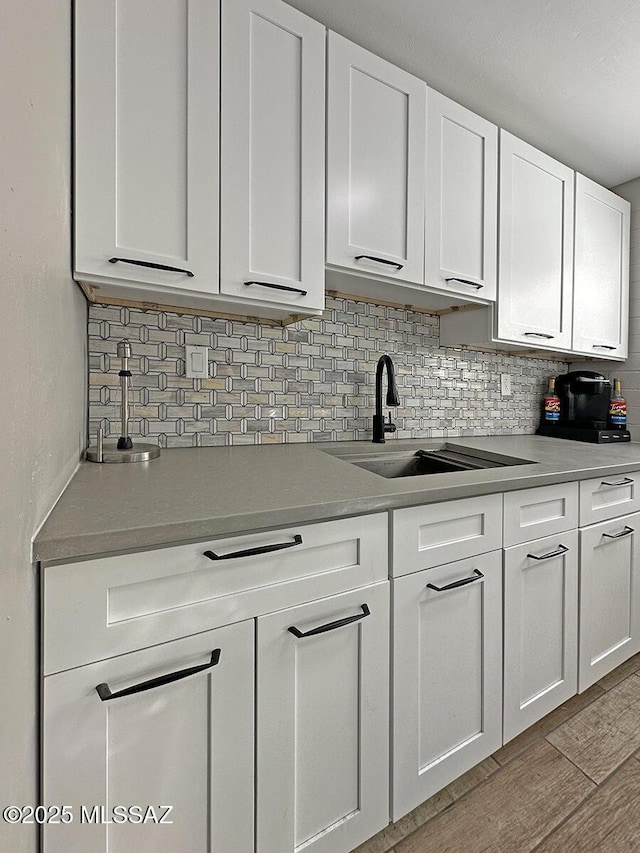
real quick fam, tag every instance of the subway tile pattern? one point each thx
(311, 381)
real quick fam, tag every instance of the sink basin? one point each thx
(447, 459)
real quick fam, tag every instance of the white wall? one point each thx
(42, 361)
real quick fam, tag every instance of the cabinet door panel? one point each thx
(323, 720)
(375, 168)
(272, 175)
(609, 597)
(601, 275)
(462, 199)
(188, 744)
(540, 628)
(146, 144)
(447, 690)
(536, 246)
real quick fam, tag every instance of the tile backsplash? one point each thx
(311, 381)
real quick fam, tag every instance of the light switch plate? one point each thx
(505, 384)
(196, 362)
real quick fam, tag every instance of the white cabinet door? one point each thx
(601, 274)
(462, 200)
(186, 744)
(375, 164)
(540, 628)
(609, 596)
(146, 143)
(536, 247)
(323, 723)
(273, 154)
(447, 681)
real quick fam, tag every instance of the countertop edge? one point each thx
(52, 550)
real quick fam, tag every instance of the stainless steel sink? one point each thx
(446, 459)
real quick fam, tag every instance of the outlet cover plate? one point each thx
(196, 362)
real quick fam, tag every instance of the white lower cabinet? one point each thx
(282, 718)
(540, 628)
(179, 741)
(609, 596)
(323, 723)
(447, 675)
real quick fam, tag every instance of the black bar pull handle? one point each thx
(380, 261)
(104, 691)
(562, 549)
(276, 287)
(537, 335)
(330, 626)
(252, 552)
(464, 281)
(476, 576)
(626, 481)
(150, 265)
(602, 346)
(625, 532)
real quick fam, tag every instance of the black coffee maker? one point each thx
(584, 408)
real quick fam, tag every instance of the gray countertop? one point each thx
(204, 493)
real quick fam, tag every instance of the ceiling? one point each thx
(563, 75)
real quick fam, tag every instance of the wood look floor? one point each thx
(569, 783)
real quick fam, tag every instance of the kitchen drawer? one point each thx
(608, 497)
(435, 534)
(534, 513)
(122, 603)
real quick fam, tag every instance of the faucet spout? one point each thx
(379, 426)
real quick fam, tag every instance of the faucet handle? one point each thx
(389, 426)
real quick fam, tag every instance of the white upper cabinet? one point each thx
(462, 200)
(601, 274)
(146, 144)
(375, 165)
(535, 247)
(273, 154)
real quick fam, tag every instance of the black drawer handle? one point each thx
(380, 261)
(104, 691)
(276, 287)
(537, 335)
(626, 481)
(602, 346)
(150, 265)
(627, 530)
(252, 552)
(476, 576)
(330, 626)
(464, 281)
(562, 549)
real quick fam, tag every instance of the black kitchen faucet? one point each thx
(379, 425)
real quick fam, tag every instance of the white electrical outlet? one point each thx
(196, 360)
(505, 384)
